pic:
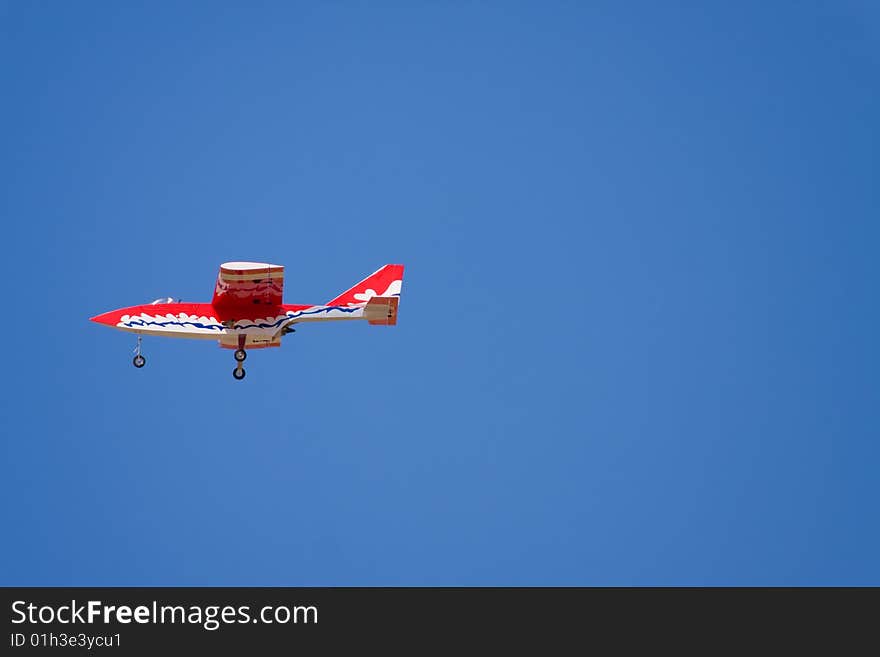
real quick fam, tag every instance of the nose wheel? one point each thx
(238, 373)
(138, 360)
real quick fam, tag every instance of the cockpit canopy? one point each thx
(164, 300)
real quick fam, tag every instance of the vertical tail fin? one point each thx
(386, 282)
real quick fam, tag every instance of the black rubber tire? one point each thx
(238, 373)
(240, 355)
(139, 361)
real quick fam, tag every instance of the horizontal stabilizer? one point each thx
(382, 311)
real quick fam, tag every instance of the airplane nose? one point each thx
(109, 318)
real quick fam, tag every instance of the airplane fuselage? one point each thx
(205, 321)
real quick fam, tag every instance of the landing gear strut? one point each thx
(239, 355)
(138, 360)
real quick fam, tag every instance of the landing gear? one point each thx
(239, 355)
(138, 360)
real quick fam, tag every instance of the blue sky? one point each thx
(638, 330)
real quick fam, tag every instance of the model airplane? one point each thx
(247, 312)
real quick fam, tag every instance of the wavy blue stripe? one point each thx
(291, 315)
(262, 325)
(141, 322)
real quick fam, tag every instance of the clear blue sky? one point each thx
(638, 330)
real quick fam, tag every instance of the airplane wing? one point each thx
(244, 285)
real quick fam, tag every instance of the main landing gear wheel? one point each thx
(238, 373)
(240, 355)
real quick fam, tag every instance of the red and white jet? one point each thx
(247, 311)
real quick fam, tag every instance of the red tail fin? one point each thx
(384, 283)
